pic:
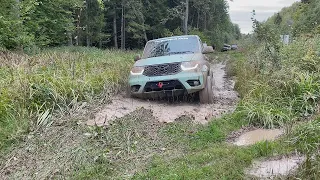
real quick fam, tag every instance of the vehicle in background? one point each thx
(226, 47)
(234, 47)
(210, 49)
(173, 66)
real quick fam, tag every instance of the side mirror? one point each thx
(207, 50)
(137, 58)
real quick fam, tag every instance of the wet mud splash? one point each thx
(224, 93)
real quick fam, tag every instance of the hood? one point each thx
(169, 59)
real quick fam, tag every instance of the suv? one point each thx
(173, 66)
(226, 47)
(234, 47)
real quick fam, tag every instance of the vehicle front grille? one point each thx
(162, 69)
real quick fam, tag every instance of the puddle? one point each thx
(258, 135)
(273, 168)
(164, 112)
(226, 99)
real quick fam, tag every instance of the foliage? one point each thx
(28, 24)
(306, 138)
(277, 93)
(298, 19)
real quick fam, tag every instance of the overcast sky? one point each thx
(240, 11)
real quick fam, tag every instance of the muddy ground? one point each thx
(167, 112)
(69, 146)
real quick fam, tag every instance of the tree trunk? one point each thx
(205, 21)
(70, 43)
(144, 28)
(198, 21)
(122, 27)
(87, 26)
(100, 39)
(145, 35)
(115, 34)
(186, 18)
(78, 27)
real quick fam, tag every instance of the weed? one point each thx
(56, 80)
(306, 138)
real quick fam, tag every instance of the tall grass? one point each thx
(283, 93)
(306, 138)
(279, 94)
(32, 87)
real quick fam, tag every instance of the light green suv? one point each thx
(173, 66)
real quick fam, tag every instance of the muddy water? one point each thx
(258, 135)
(274, 168)
(226, 99)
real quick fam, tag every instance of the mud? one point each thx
(271, 169)
(166, 112)
(258, 135)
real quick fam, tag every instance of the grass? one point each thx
(283, 95)
(33, 87)
(180, 150)
(207, 155)
(49, 92)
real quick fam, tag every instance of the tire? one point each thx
(206, 95)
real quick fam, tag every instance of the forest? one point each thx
(125, 24)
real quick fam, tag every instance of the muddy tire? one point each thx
(206, 95)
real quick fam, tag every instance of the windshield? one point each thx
(171, 46)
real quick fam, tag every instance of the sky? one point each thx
(240, 11)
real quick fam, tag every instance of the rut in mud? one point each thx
(224, 93)
(60, 150)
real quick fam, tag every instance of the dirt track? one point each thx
(60, 149)
(226, 99)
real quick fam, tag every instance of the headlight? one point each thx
(190, 65)
(137, 70)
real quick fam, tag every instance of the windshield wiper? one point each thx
(181, 52)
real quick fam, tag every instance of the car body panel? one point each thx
(183, 77)
(169, 59)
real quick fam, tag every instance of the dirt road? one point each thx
(60, 150)
(226, 99)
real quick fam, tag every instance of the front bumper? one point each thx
(173, 85)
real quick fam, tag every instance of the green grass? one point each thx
(205, 153)
(54, 81)
(190, 151)
(137, 146)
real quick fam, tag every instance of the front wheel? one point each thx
(206, 95)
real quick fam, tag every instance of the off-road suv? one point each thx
(173, 66)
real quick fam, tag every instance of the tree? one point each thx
(278, 19)
(111, 23)
(186, 18)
